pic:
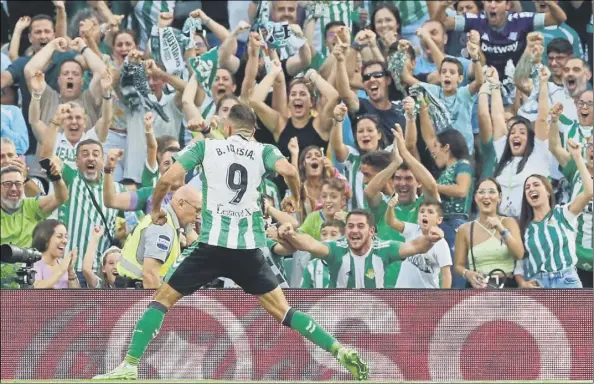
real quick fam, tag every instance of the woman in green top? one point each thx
(369, 139)
(489, 242)
(450, 153)
(549, 231)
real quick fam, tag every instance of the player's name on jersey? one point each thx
(246, 212)
(238, 151)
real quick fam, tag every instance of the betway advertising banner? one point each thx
(224, 334)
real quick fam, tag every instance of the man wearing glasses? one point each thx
(21, 214)
(152, 249)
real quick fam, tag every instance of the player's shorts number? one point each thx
(237, 180)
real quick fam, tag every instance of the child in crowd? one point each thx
(422, 271)
(316, 274)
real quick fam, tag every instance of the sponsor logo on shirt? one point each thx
(485, 37)
(163, 242)
(504, 49)
(513, 36)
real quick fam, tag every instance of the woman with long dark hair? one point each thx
(523, 150)
(450, 152)
(490, 241)
(549, 230)
(368, 137)
(297, 116)
(56, 267)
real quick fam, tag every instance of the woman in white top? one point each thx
(524, 150)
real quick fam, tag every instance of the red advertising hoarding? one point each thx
(224, 334)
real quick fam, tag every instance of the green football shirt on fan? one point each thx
(365, 271)
(17, 228)
(406, 213)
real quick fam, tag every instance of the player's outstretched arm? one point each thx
(302, 241)
(291, 176)
(175, 172)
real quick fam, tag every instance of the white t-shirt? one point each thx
(174, 126)
(422, 271)
(512, 184)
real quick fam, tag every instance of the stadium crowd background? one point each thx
(494, 101)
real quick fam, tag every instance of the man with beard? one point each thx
(20, 214)
(358, 260)
(86, 209)
(376, 81)
(41, 33)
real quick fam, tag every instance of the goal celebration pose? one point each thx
(232, 233)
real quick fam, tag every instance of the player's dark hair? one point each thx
(334, 223)
(452, 60)
(377, 159)
(332, 24)
(560, 45)
(43, 232)
(362, 212)
(243, 117)
(87, 142)
(427, 201)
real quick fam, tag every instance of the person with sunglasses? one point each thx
(152, 249)
(376, 83)
(571, 173)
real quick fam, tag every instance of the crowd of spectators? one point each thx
(472, 115)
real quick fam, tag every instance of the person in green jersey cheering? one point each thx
(231, 235)
(359, 259)
(549, 231)
(573, 175)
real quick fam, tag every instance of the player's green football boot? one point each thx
(123, 372)
(350, 359)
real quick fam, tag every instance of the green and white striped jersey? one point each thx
(352, 165)
(366, 271)
(232, 171)
(332, 11)
(550, 243)
(269, 188)
(80, 215)
(584, 221)
(146, 15)
(571, 129)
(316, 275)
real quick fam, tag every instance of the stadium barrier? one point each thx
(223, 334)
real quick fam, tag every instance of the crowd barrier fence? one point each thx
(436, 335)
